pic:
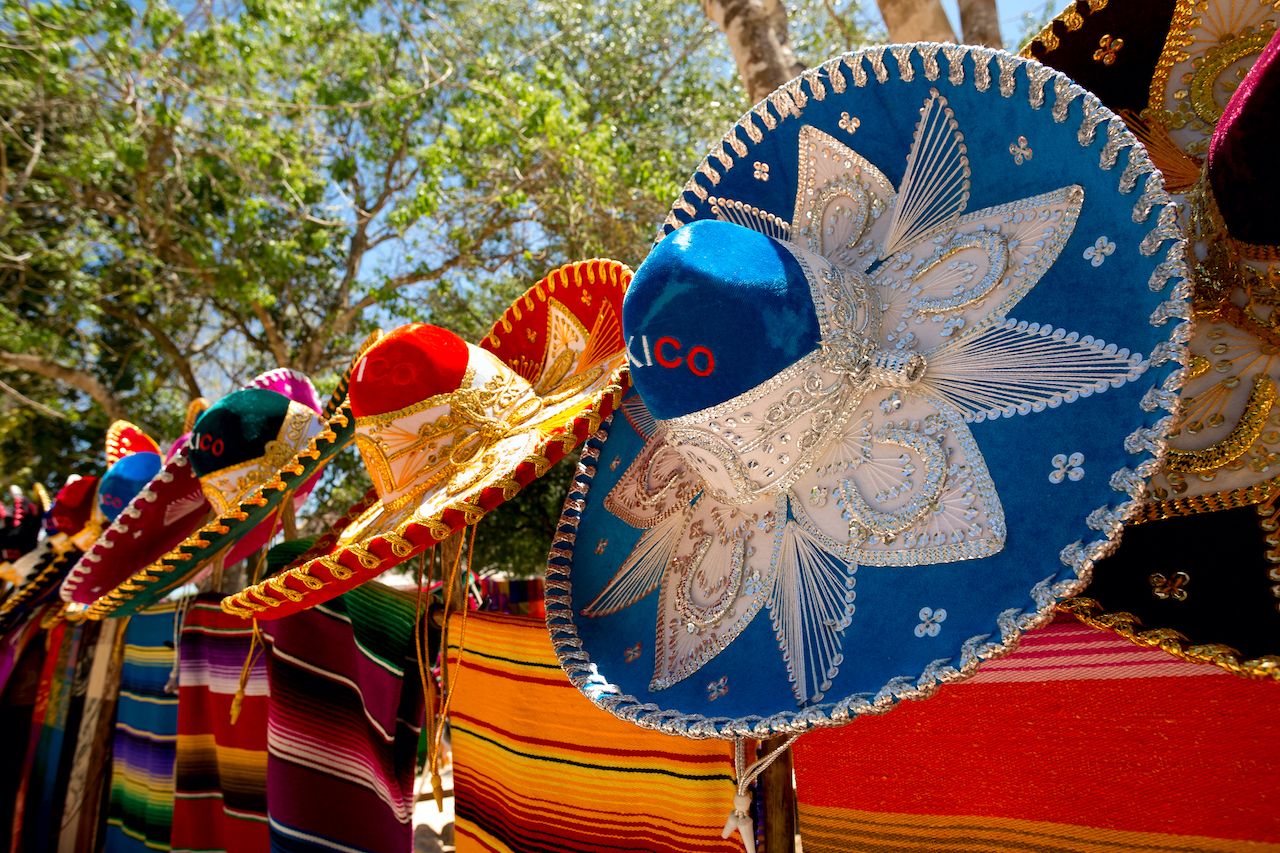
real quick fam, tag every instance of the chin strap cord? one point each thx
(739, 819)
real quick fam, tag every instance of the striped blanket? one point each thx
(90, 764)
(141, 807)
(52, 742)
(220, 771)
(1078, 741)
(537, 767)
(343, 721)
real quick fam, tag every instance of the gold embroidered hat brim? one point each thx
(528, 339)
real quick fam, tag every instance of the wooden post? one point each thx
(778, 800)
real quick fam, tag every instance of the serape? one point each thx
(141, 807)
(54, 727)
(90, 764)
(517, 597)
(537, 767)
(220, 772)
(1078, 741)
(17, 710)
(343, 720)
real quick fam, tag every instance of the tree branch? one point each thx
(89, 384)
(757, 35)
(166, 343)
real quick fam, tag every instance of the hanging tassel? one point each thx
(739, 819)
(180, 608)
(255, 645)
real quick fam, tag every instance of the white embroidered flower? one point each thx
(930, 622)
(1067, 467)
(1098, 252)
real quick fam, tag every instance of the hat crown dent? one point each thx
(124, 480)
(411, 364)
(714, 310)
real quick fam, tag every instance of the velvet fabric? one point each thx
(73, 504)
(409, 365)
(236, 429)
(895, 640)
(124, 479)
(714, 310)
(1069, 42)
(1243, 162)
(20, 529)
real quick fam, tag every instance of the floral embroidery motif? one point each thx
(1098, 252)
(601, 545)
(761, 171)
(613, 466)
(860, 453)
(848, 123)
(717, 688)
(1067, 468)
(632, 653)
(1020, 150)
(531, 335)
(1108, 49)
(930, 622)
(1165, 588)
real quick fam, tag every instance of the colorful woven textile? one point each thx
(518, 597)
(52, 744)
(17, 709)
(141, 808)
(220, 772)
(537, 767)
(1078, 741)
(344, 716)
(90, 765)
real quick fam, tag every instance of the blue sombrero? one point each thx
(902, 362)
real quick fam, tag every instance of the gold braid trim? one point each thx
(1091, 613)
(1214, 502)
(1242, 436)
(1067, 21)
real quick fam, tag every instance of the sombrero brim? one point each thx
(50, 569)
(238, 533)
(156, 521)
(1040, 489)
(1147, 59)
(377, 540)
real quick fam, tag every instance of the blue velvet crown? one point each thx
(124, 479)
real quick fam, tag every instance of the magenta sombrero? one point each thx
(210, 469)
(448, 431)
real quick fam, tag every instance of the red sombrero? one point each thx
(449, 431)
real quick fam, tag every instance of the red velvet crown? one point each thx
(407, 366)
(74, 504)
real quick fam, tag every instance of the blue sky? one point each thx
(1011, 12)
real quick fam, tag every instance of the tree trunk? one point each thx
(980, 22)
(757, 34)
(87, 383)
(916, 20)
